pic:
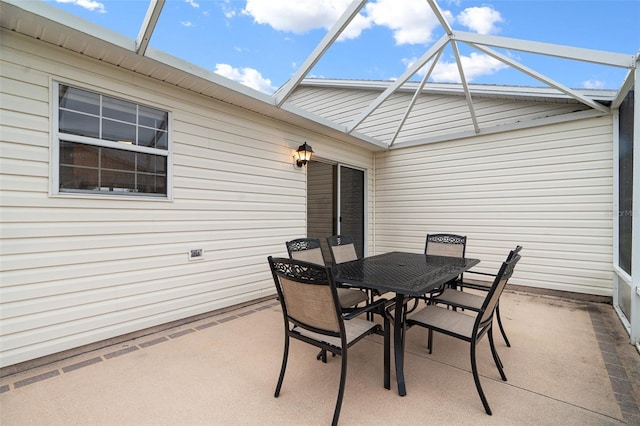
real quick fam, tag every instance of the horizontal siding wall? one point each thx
(548, 189)
(80, 269)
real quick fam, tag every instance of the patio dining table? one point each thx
(406, 275)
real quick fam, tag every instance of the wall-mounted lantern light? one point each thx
(303, 154)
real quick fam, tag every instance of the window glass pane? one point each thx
(152, 138)
(152, 118)
(79, 124)
(79, 100)
(120, 132)
(119, 110)
(78, 155)
(118, 181)
(149, 163)
(152, 184)
(117, 159)
(78, 178)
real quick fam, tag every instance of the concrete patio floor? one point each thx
(570, 363)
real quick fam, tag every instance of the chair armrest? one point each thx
(475, 286)
(377, 305)
(480, 273)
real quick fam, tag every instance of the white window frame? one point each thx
(57, 136)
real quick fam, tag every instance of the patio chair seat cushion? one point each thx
(354, 329)
(351, 297)
(433, 316)
(460, 299)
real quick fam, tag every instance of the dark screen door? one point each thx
(335, 202)
(350, 212)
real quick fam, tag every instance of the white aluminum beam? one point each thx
(626, 86)
(574, 94)
(283, 94)
(414, 99)
(467, 93)
(437, 47)
(440, 16)
(567, 52)
(148, 25)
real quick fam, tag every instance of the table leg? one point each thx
(398, 340)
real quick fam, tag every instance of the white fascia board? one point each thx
(189, 68)
(580, 115)
(455, 88)
(26, 10)
(567, 52)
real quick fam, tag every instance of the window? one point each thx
(106, 145)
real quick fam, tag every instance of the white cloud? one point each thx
(296, 16)
(411, 23)
(474, 66)
(482, 20)
(593, 84)
(186, 23)
(246, 76)
(302, 16)
(86, 4)
(193, 3)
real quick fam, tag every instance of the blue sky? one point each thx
(261, 43)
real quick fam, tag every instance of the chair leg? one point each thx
(430, 340)
(343, 379)
(494, 352)
(387, 352)
(285, 356)
(476, 378)
(504, 335)
(322, 355)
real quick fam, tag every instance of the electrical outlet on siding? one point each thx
(196, 254)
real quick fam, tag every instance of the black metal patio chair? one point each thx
(450, 245)
(470, 328)
(343, 249)
(310, 250)
(312, 314)
(465, 300)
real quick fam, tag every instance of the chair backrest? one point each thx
(514, 252)
(306, 249)
(342, 248)
(445, 245)
(308, 295)
(500, 282)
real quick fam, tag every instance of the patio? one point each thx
(570, 363)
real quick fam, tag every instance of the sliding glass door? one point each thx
(350, 211)
(336, 202)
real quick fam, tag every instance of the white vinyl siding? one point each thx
(548, 189)
(80, 269)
